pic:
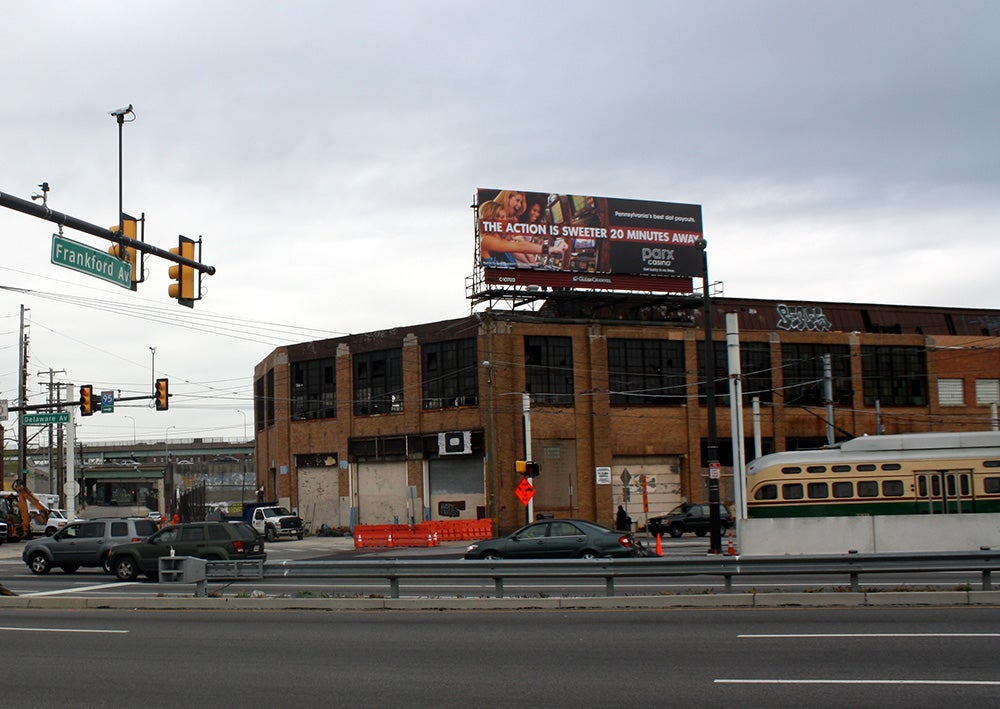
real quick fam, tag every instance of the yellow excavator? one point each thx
(14, 510)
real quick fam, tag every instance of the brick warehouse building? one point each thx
(427, 421)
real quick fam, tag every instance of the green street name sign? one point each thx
(94, 262)
(45, 419)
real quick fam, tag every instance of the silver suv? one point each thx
(84, 543)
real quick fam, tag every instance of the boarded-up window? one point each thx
(950, 392)
(987, 391)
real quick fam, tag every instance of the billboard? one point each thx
(575, 241)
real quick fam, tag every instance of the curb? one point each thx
(730, 601)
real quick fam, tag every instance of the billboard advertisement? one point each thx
(576, 241)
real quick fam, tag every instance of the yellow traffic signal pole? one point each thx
(43, 212)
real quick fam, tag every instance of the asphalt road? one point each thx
(695, 658)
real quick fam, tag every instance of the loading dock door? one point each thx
(383, 493)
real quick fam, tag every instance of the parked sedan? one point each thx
(556, 539)
(688, 517)
(205, 540)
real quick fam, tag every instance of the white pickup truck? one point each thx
(273, 521)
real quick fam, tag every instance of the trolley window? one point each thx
(991, 463)
(816, 469)
(866, 468)
(767, 492)
(792, 491)
(891, 466)
(991, 485)
(868, 488)
(842, 490)
(892, 488)
(791, 470)
(818, 491)
(841, 468)
(963, 485)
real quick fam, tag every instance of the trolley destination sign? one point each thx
(45, 419)
(94, 262)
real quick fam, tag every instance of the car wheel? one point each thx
(588, 554)
(675, 529)
(106, 563)
(126, 568)
(39, 563)
(69, 568)
(701, 532)
(300, 535)
(270, 534)
(490, 556)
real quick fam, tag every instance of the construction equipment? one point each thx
(15, 512)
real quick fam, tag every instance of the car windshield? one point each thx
(276, 512)
(679, 510)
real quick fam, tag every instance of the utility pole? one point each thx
(51, 385)
(22, 386)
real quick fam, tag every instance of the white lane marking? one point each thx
(872, 635)
(971, 682)
(64, 630)
(77, 589)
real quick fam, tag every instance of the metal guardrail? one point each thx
(728, 567)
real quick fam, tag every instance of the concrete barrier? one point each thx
(869, 534)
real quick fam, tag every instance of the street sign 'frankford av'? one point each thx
(93, 262)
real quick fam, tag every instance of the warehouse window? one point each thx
(548, 369)
(805, 378)
(450, 374)
(755, 366)
(894, 376)
(378, 382)
(646, 372)
(314, 389)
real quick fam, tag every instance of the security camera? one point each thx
(121, 111)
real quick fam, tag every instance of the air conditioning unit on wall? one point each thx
(455, 443)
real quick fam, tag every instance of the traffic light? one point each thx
(183, 289)
(86, 400)
(527, 468)
(131, 255)
(162, 395)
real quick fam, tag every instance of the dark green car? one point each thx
(557, 539)
(205, 540)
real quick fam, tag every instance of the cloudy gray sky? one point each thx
(328, 153)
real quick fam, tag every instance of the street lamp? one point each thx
(152, 385)
(168, 472)
(243, 474)
(133, 428)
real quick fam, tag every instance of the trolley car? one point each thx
(910, 473)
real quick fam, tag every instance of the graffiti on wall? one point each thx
(802, 318)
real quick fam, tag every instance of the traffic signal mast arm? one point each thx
(43, 212)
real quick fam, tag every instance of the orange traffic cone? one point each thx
(659, 545)
(731, 550)
(390, 539)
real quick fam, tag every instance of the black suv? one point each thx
(84, 543)
(688, 517)
(205, 540)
